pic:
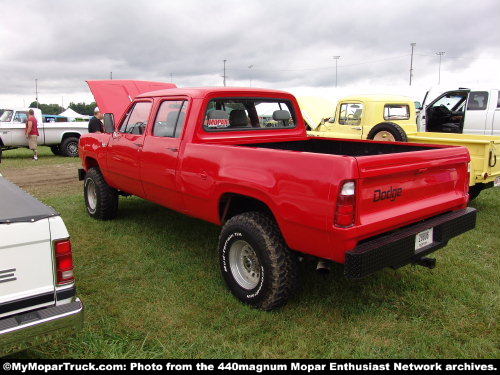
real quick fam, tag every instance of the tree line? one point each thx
(55, 109)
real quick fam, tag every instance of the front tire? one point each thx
(69, 147)
(101, 200)
(255, 262)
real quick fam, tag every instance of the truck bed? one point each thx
(342, 147)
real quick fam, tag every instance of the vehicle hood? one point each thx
(315, 109)
(113, 96)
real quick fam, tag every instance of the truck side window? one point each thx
(21, 117)
(396, 112)
(137, 119)
(498, 100)
(170, 119)
(478, 101)
(350, 113)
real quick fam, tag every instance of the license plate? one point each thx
(497, 182)
(424, 238)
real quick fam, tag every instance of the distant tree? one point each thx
(48, 109)
(83, 108)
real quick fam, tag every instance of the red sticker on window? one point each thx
(218, 123)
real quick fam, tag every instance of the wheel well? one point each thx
(232, 204)
(90, 163)
(67, 135)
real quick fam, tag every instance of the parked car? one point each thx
(276, 192)
(392, 119)
(462, 111)
(62, 137)
(37, 286)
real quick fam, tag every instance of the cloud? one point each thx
(289, 43)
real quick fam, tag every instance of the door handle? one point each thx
(138, 144)
(421, 170)
(173, 149)
(356, 127)
(203, 175)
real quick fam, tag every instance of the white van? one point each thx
(462, 110)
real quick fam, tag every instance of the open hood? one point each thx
(315, 109)
(113, 96)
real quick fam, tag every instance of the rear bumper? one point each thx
(33, 328)
(397, 248)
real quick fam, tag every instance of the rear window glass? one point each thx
(227, 114)
(170, 119)
(478, 100)
(498, 100)
(396, 112)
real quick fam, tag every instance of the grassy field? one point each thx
(152, 288)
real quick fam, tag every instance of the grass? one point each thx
(20, 157)
(152, 288)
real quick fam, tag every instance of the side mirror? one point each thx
(109, 123)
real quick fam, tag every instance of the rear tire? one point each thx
(56, 150)
(101, 200)
(393, 132)
(474, 191)
(69, 147)
(255, 262)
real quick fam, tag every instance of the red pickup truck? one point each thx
(240, 158)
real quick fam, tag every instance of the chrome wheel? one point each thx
(72, 149)
(384, 136)
(244, 264)
(91, 196)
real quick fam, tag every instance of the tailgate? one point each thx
(26, 269)
(398, 189)
(484, 151)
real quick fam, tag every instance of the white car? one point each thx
(462, 110)
(37, 287)
(62, 137)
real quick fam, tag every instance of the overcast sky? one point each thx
(289, 44)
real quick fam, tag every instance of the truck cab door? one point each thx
(18, 129)
(475, 113)
(160, 154)
(348, 121)
(124, 149)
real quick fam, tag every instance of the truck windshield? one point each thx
(249, 114)
(7, 115)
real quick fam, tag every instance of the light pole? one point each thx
(411, 60)
(440, 54)
(224, 74)
(250, 68)
(36, 91)
(336, 58)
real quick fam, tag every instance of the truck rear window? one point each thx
(225, 114)
(396, 112)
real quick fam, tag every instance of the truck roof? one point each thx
(201, 92)
(379, 98)
(18, 206)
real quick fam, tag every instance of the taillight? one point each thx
(64, 262)
(345, 212)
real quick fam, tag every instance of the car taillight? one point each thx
(64, 262)
(345, 212)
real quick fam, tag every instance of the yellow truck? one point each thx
(393, 118)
